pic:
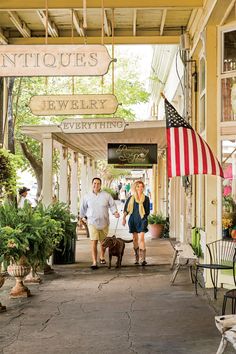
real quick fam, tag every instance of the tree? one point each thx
(108, 173)
(128, 89)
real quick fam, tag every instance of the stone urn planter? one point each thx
(19, 272)
(33, 277)
(2, 280)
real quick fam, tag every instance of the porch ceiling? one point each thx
(95, 145)
(135, 21)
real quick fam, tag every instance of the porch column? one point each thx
(94, 170)
(47, 169)
(155, 191)
(83, 177)
(63, 176)
(90, 172)
(74, 183)
(211, 129)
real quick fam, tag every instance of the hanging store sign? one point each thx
(54, 60)
(132, 154)
(93, 125)
(73, 104)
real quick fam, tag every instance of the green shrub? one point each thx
(156, 219)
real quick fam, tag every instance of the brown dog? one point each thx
(116, 248)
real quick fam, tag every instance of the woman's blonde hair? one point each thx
(136, 183)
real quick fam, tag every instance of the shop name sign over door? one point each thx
(132, 154)
(73, 104)
(93, 125)
(54, 60)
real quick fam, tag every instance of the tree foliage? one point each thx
(8, 165)
(128, 89)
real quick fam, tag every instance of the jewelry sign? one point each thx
(132, 154)
(73, 104)
(54, 60)
(93, 125)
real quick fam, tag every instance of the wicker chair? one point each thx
(222, 255)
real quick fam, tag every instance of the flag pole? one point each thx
(167, 184)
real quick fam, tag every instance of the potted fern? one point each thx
(157, 222)
(27, 238)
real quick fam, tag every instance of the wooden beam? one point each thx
(97, 40)
(163, 20)
(191, 19)
(61, 4)
(211, 16)
(52, 28)
(107, 25)
(134, 21)
(3, 39)
(19, 24)
(77, 25)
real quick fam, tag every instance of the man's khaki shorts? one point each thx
(96, 234)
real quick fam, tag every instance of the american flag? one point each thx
(187, 152)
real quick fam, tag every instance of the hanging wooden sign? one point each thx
(73, 104)
(54, 60)
(93, 125)
(132, 154)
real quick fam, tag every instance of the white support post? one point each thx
(74, 184)
(47, 169)
(90, 173)
(94, 171)
(83, 177)
(63, 177)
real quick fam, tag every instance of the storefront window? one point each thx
(228, 90)
(229, 187)
(229, 55)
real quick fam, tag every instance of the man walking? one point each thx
(95, 206)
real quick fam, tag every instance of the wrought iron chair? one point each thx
(222, 255)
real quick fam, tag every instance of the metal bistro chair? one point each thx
(222, 257)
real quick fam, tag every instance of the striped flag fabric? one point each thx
(187, 153)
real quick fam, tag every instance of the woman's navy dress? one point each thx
(136, 224)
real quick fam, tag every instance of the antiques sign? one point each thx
(93, 125)
(130, 154)
(54, 60)
(73, 104)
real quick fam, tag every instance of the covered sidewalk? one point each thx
(132, 310)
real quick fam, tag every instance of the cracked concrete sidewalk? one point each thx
(133, 310)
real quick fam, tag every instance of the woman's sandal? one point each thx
(103, 261)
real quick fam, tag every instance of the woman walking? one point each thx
(137, 207)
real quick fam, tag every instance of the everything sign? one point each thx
(73, 104)
(93, 125)
(54, 60)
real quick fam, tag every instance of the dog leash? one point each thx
(116, 226)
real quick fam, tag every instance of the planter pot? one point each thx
(225, 233)
(19, 272)
(156, 230)
(66, 253)
(233, 233)
(2, 279)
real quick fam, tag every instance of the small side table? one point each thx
(230, 294)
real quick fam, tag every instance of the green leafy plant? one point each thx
(157, 218)
(61, 213)
(27, 234)
(229, 204)
(7, 173)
